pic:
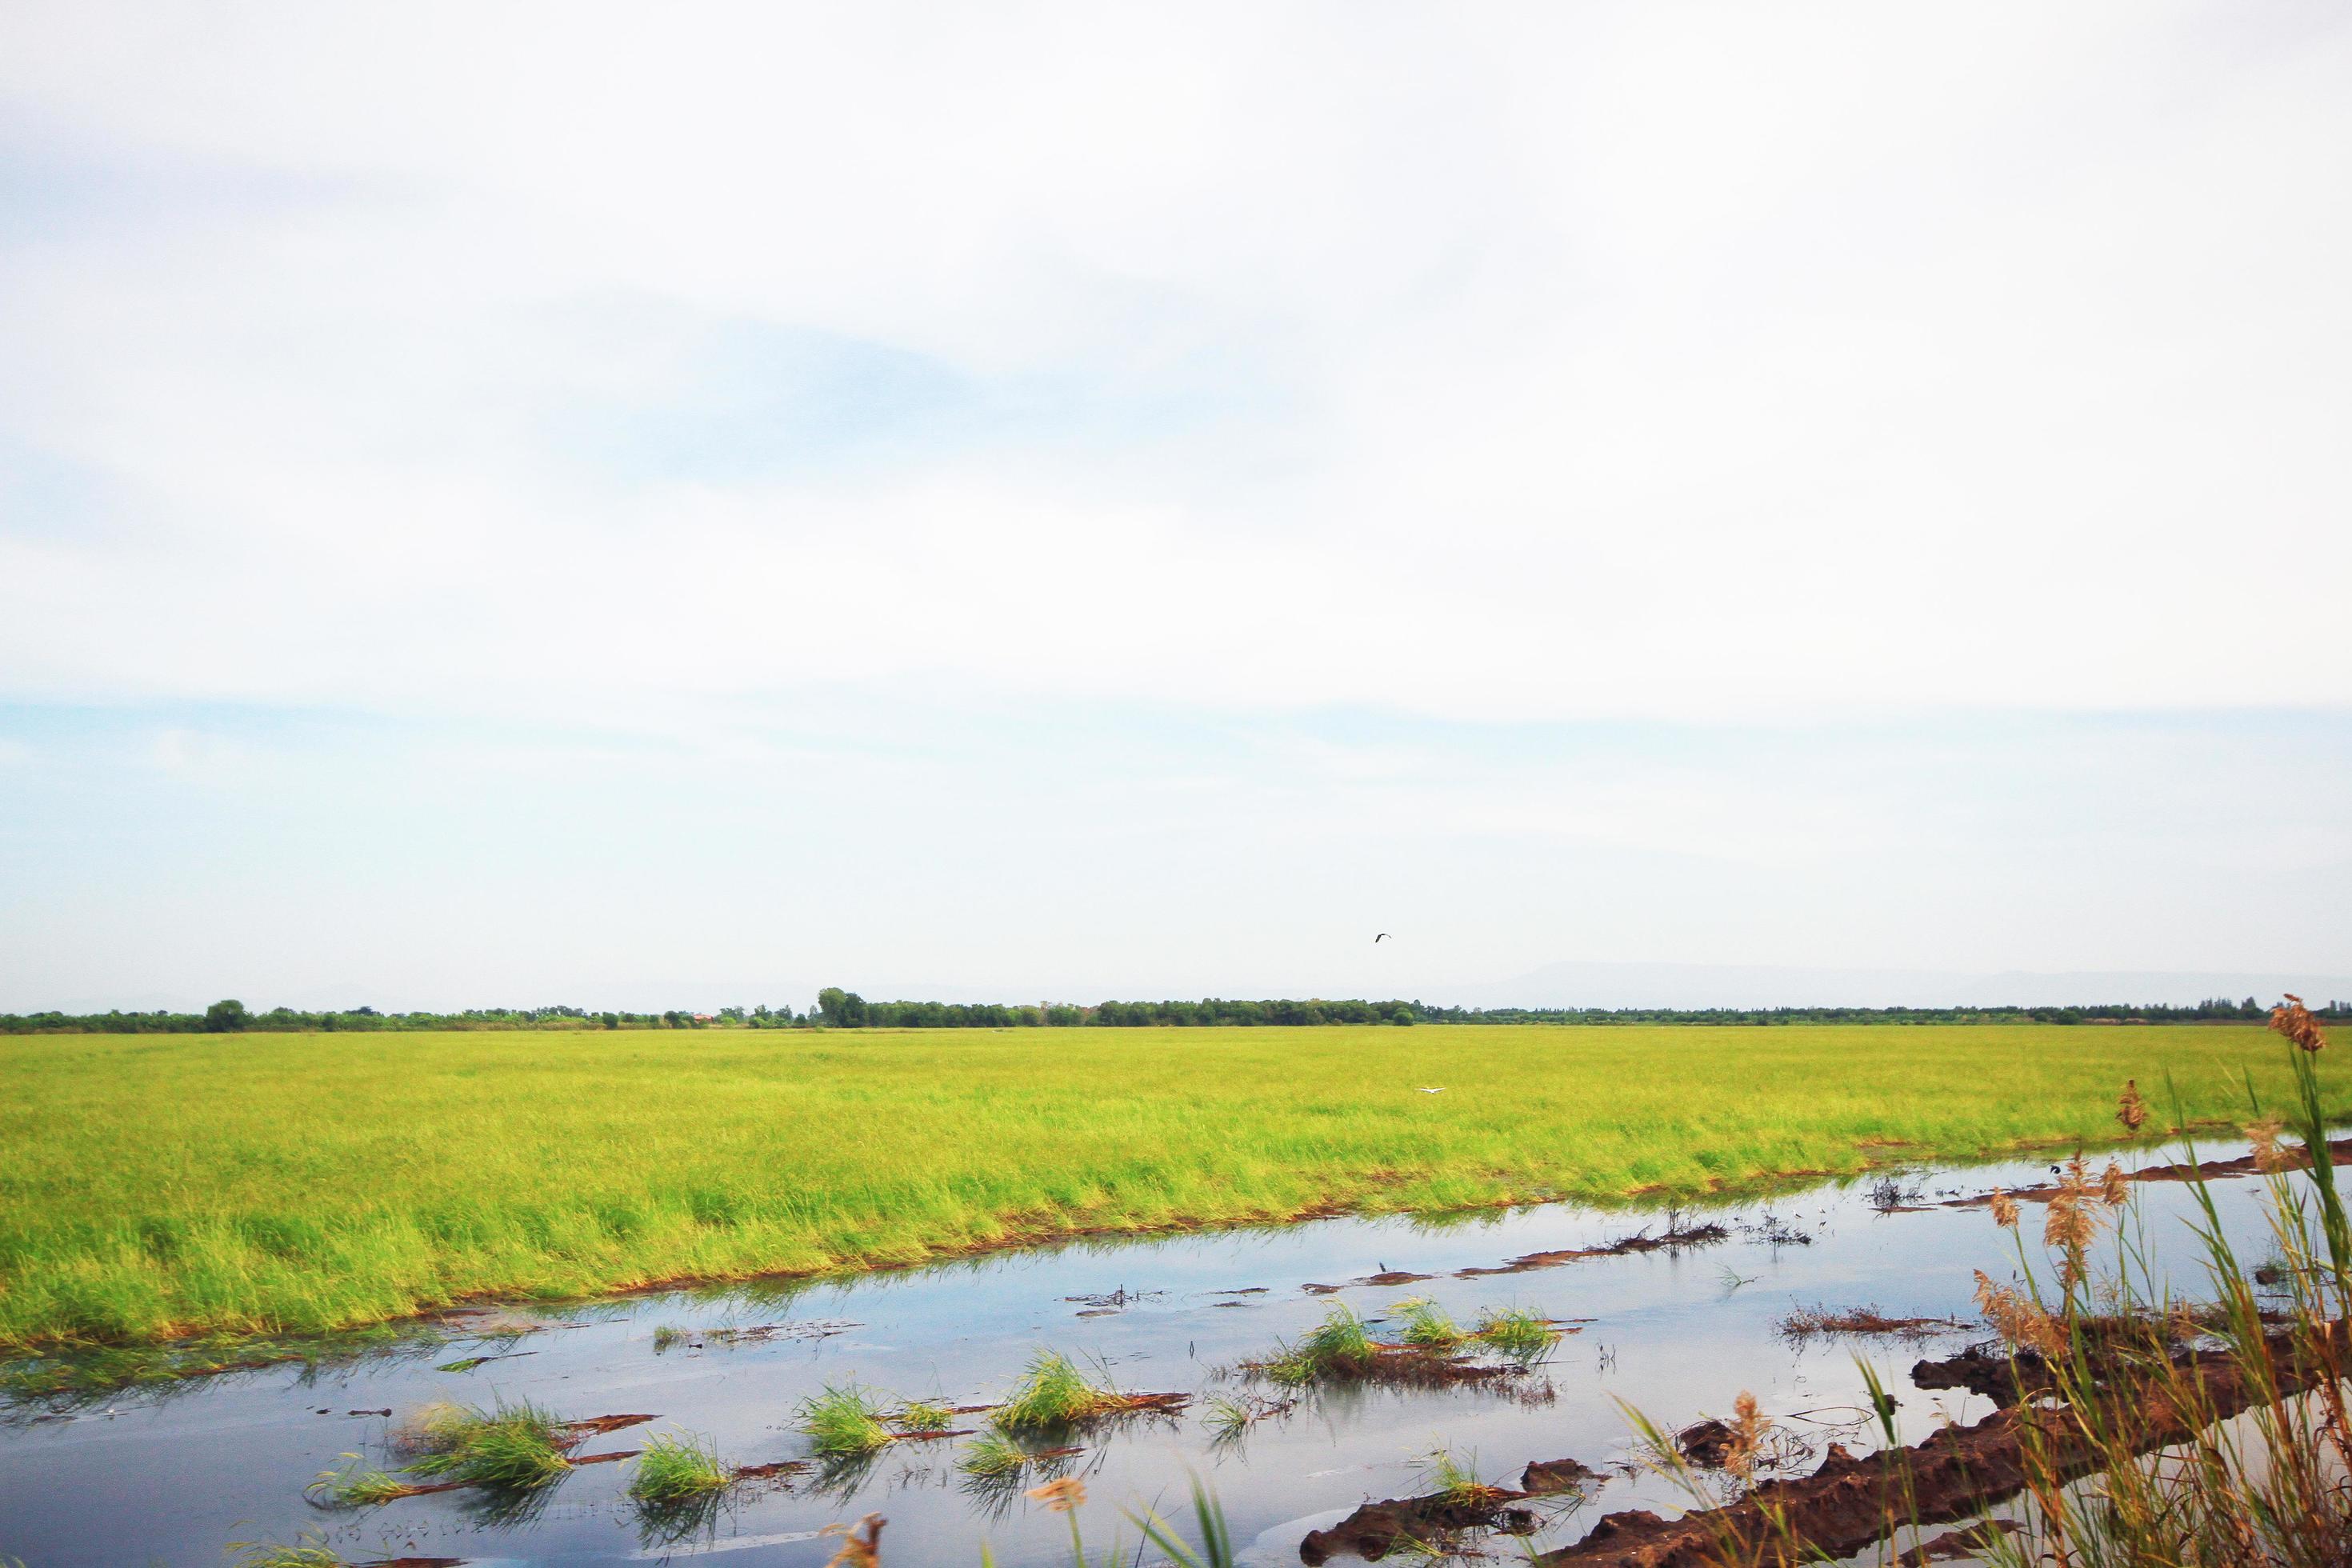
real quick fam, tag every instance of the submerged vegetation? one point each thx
(425, 1171)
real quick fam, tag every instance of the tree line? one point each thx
(838, 1009)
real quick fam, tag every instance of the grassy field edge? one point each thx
(163, 1186)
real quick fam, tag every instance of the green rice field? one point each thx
(162, 1185)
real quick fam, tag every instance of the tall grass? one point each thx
(2159, 1433)
(160, 1186)
(2267, 1487)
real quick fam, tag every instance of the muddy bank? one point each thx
(1674, 1239)
(2290, 1158)
(1850, 1503)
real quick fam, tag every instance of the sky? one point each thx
(509, 504)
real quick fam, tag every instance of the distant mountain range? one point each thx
(1729, 986)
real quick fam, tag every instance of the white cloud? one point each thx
(1543, 362)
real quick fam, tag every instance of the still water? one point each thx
(174, 1478)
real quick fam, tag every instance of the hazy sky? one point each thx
(514, 504)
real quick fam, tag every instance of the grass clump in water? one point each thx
(1054, 1393)
(1226, 1418)
(513, 1446)
(1456, 1480)
(1428, 1325)
(993, 1454)
(1339, 1346)
(844, 1421)
(355, 1483)
(673, 1469)
(924, 1417)
(307, 1552)
(1519, 1332)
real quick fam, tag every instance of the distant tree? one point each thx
(225, 1018)
(841, 1009)
(610, 1020)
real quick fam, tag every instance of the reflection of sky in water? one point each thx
(170, 1479)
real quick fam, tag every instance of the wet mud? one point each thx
(1377, 1529)
(2339, 1153)
(1852, 1502)
(1676, 1239)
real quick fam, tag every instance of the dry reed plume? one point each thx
(2130, 1109)
(2295, 1022)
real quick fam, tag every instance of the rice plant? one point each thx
(1519, 1332)
(674, 1469)
(668, 1337)
(511, 1446)
(844, 1420)
(1427, 1325)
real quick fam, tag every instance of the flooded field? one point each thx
(1673, 1312)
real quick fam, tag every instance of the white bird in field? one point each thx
(1439, 1089)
